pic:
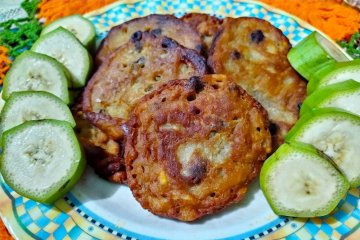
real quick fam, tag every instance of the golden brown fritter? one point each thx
(134, 69)
(206, 26)
(254, 53)
(102, 153)
(166, 25)
(194, 146)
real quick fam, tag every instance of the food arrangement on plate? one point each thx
(185, 112)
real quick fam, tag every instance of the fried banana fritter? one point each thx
(254, 53)
(206, 26)
(194, 146)
(133, 70)
(102, 153)
(166, 25)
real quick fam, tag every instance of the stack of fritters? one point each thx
(188, 144)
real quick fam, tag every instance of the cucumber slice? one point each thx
(334, 73)
(2, 102)
(64, 47)
(25, 106)
(336, 134)
(315, 50)
(81, 27)
(42, 159)
(344, 95)
(298, 182)
(33, 71)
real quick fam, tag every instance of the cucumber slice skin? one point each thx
(309, 54)
(79, 78)
(45, 61)
(66, 184)
(332, 73)
(2, 102)
(322, 114)
(11, 117)
(321, 98)
(79, 22)
(285, 150)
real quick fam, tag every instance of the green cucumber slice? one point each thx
(41, 160)
(334, 73)
(81, 27)
(66, 48)
(298, 182)
(308, 55)
(344, 95)
(25, 106)
(2, 102)
(33, 71)
(335, 133)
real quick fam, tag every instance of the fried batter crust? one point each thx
(102, 153)
(254, 53)
(133, 70)
(206, 26)
(193, 146)
(166, 25)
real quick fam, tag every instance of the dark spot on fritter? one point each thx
(299, 105)
(191, 97)
(195, 83)
(273, 128)
(257, 36)
(140, 62)
(234, 89)
(156, 31)
(195, 110)
(197, 170)
(138, 46)
(235, 55)
(168, 43)
(137, 36)
(199, 48)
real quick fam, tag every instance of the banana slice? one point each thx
(298, 182)
(66, 48)
(25, 106)
(332, 73)
(33, 71)
(336, 134)
(81, 27)
(312, 52)
(42, 159)
(344, 95)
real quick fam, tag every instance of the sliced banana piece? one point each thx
(312, 52)
(332, 73)
(26, 106)
(33, 71)
(344, 95)
(42, 159)
(66, 48)
(81, 27)
(298, 182)
(336, 134)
